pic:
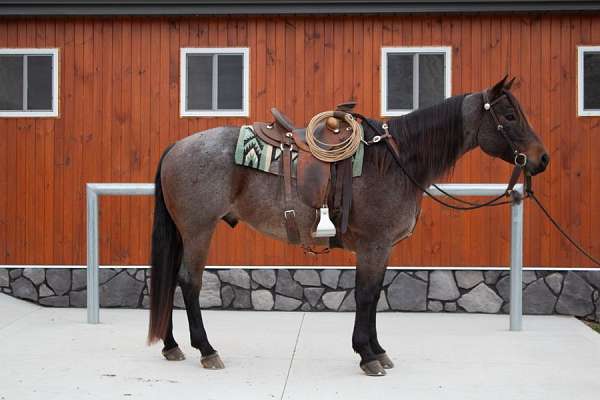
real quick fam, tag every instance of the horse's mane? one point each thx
(430, 139)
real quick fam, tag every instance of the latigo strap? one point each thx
(289, 213)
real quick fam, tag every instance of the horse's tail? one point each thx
(165, 260)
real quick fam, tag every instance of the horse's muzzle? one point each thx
(535, 168)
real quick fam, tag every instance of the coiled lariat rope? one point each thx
(332, 152)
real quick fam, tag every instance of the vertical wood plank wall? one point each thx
(119, 108)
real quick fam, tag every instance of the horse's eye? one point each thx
(510, 117)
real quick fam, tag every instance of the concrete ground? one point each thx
(48, 353)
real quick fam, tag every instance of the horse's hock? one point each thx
(478, 291)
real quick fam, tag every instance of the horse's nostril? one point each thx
(545, 159)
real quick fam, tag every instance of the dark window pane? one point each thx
(400, 81)
(591, 81)
(39, 82)
(231, 81)
(431, 79)
(11, 82)
(199, 81)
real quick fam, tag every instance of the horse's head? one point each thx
(505, 132)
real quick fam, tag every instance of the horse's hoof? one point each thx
(385, 361)
(174, 354)
(212, 362)
(373, 368)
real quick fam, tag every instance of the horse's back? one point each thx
(210, 142)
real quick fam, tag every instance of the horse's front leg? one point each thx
(380, 353)
(370, 272)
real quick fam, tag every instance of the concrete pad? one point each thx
(50, 353)
(450, 356)
(14, 309)
(53, 354)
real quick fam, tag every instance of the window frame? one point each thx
(244, 112)
(55, 86)
(581, 111)
(385, 51)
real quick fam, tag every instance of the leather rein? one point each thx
(520, 161)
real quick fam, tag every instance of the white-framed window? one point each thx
(414, 77)
(214, 82)
(28, 82)
(588, 80)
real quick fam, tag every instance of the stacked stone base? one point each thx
(544, 292)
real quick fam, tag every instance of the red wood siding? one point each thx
(119, 108)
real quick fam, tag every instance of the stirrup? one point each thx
(325, 227)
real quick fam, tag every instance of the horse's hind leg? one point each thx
(190, 279)
(210, 358)
(171, 350)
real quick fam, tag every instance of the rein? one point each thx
(561, 229)
(520, 162)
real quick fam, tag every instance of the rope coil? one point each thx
(332, 152)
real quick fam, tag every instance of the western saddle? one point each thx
(319, 184)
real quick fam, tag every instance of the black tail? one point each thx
(166, 260)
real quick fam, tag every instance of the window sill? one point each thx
(227, 113)
(588, 113)
(28, 114)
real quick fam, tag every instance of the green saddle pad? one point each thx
(252, 152)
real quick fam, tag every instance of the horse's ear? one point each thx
(510, 83)
(497, 89)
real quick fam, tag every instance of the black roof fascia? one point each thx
(273, 7)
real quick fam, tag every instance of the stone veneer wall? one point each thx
(545, 292)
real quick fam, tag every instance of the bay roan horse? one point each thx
(198, 184)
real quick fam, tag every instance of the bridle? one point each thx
(520, 162)
(520, 159)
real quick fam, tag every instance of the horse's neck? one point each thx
(471, 119)
(437, 149)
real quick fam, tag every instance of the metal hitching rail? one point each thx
(94, 190)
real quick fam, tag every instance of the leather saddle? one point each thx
(335, 130)
(318, 183)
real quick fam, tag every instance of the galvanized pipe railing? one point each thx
(94, 190)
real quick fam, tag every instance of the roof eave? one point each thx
(286, 8)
